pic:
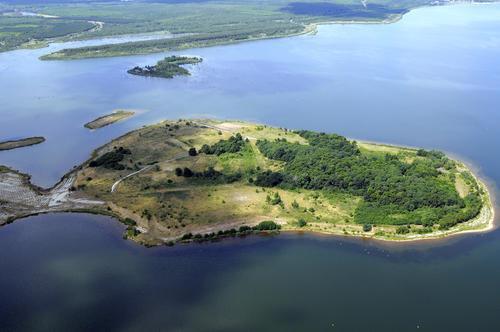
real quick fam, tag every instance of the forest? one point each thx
(394, 191)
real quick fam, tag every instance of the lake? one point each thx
(429, 80)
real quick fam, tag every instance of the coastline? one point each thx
(308, 29)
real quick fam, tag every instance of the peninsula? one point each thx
(109, 119)
(196, 180)
(167, 68)
(20, 143)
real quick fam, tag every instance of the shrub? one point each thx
(367, 228)
(129, 222)
(187, 236)
(268, 179)
(244, 229)
(232, 145)
(402, 230)
(267, 226)
(187, 172)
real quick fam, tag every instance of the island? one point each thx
(202, 180)
(109, 119)
(20, 143)
(167, 68)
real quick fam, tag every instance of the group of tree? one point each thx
(112, 159)
(264, 226)
(389, 185)
(210, 174)
(232, 145)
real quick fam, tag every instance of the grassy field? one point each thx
(165, 206)
(206, 22)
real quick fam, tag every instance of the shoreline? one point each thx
(308, 29)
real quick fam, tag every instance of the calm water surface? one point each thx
(430, 80)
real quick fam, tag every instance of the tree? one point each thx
(367, 228)
(187, 172)
(192, 152)
(178, 171)
(267, 226)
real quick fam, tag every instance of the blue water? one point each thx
(429, 80)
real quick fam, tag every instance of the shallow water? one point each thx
(430, 80)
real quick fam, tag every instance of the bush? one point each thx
(187, 173)
(403, 230)
(244, 229)
(129, 222)
(267, 226)
(232, 145)
(367, 228)
(268, 179)
(192, 152)
(187, 236)
(275, 199)
(302, 223)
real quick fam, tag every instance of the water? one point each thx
(430, 80)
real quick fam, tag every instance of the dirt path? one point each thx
(115, 185)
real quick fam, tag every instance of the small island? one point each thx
(14, 144)
(167, 68)
(109, 119)
(202, 180)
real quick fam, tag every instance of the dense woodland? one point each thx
(394, 191)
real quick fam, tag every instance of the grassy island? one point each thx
(167, 68)
(109, 119)
(196, 180)
(20, 143)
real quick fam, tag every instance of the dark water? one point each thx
(430, 80)
(73, 272)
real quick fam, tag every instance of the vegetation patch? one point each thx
(167, 68)
(343, 11)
